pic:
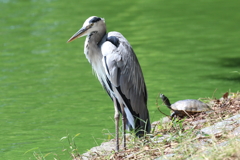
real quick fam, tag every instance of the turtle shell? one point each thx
(191, 106)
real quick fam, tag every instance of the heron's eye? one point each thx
(90, 25)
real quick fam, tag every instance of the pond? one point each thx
(47, 89)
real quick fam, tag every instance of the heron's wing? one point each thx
(124, 72)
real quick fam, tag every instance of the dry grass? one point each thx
(180, 139)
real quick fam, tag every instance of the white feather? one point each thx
(129, 118)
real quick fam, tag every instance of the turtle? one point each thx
(185, 107)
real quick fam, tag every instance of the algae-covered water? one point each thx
(47, 90)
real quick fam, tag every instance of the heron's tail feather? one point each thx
(142, 127)
(130, 120)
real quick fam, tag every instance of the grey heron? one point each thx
(117, 68)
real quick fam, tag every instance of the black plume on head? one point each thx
(94, 19)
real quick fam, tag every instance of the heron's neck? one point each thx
(93, 52)
(96, 37)
(92, 48)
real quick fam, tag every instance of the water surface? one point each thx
(47, 90)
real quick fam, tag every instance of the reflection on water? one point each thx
(47, 90)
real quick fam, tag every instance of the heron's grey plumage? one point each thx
(125, 73)
(118, 70)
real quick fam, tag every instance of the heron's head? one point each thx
(92, 24)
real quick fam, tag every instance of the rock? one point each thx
(225, 125)
(236, 131)
(104, 147)
(165, 157)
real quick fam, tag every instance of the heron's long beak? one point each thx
(81, 32)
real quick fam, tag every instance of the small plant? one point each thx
(72, 148)
(38, 155)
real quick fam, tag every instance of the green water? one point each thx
(186, 49)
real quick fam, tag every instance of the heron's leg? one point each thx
(124, 126)
(116, 117)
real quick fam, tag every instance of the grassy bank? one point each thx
(180, 138)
